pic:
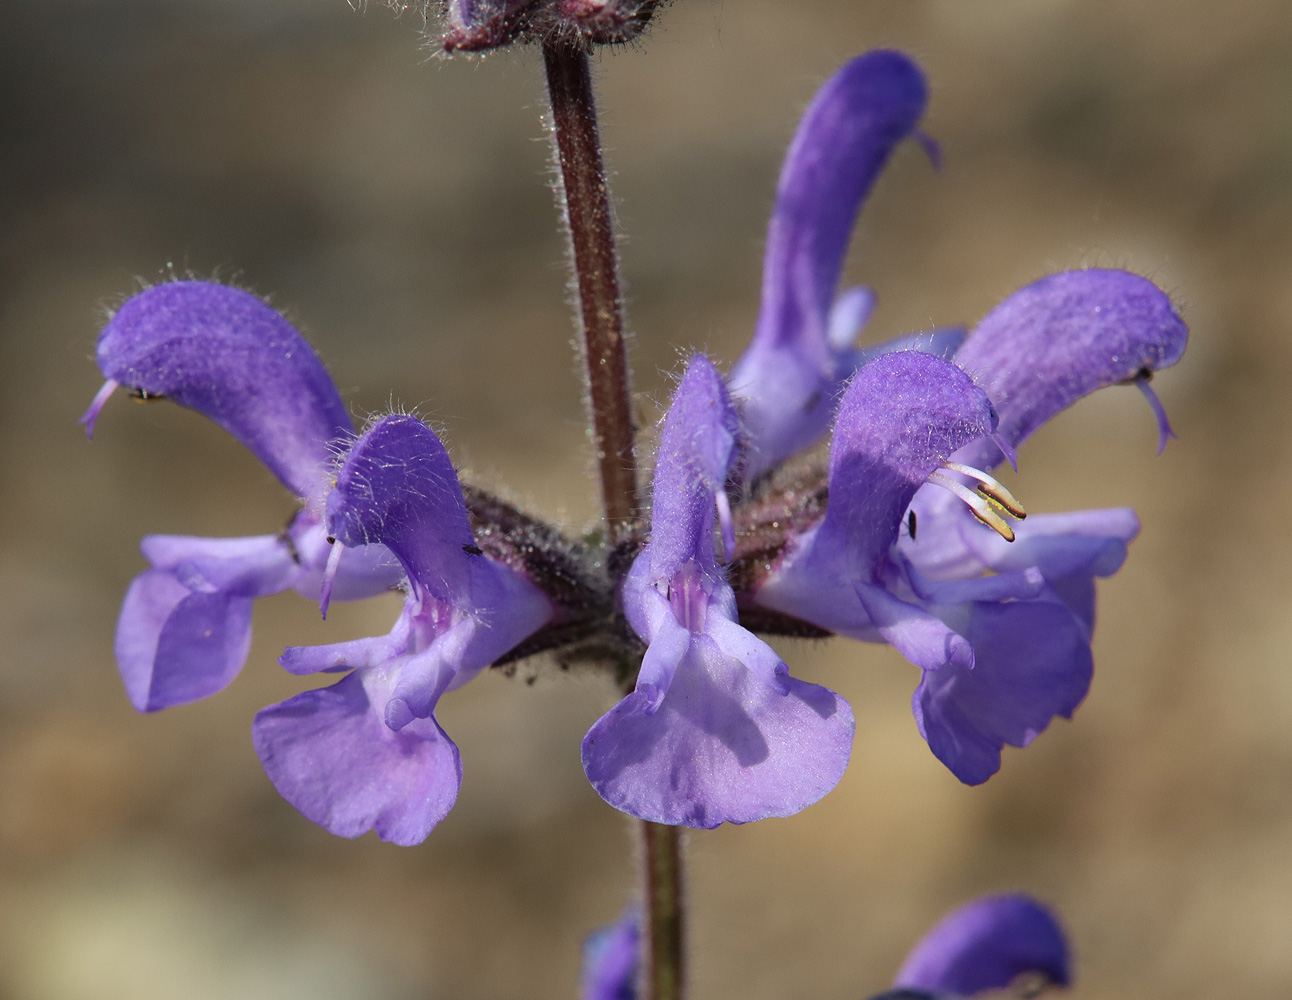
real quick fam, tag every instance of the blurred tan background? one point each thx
(398, 207)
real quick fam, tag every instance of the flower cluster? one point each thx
(478, 25)
(1006, 942)
(903, 537)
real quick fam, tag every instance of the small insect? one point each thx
(473, 550)
(910, 524)
(144, 396)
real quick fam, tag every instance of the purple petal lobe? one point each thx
(175, 645)
(987, 945)
(697, 445)
(920, 637)
(1031, 662)
(789, 376)
(243, 567)
(227, 355)
(724, 746)
(397, 486)
(330, 754)
(842, 143)
(902, 416)
(610, 960)
(1061, 338)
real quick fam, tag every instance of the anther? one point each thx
(977, 503)
(991, 488)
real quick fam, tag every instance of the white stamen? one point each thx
(725, 523)
(329, 574)
(977, 504)
(91, 415)
(991, 488)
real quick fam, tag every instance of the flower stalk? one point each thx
(586, 207)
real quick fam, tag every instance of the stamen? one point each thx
(932, 148)
(329, 574)
(978, 505)
(991, 488)
(1164, 432)
(1006, 449)
(726, 525)
(91, 416)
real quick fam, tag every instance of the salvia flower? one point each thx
(715, 730)
(185, 626)
(913, 549)
(1006, 942)
(790, 377)
(611, 960)
(367, 753)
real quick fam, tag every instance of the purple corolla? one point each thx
(185, 626)
(790, 377)
(991, 944)
(913, 548)
(367, 753)
(715, 730)
(611, 960)
(998, 618)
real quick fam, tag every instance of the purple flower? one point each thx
(367, 753)
(990, 944)
(715, 730)
(997, 618)
(611, 959)
(185, 626)
(790, 377)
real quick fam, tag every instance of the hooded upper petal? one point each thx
(987, 945)
(789, 376)
(715, 730)
(227, 355)
(1061, 338)
(903, 414)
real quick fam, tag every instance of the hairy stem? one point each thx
(592, 239)
(663, 957)
(586, 205)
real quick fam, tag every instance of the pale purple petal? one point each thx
(331, 755)
(243, 567)
(1061, 338)
(174, 645)
(902, 416)
(849, 315)
(987, 945)
(789, 376)
(697, 445)
(925, 640)
(610, 960)
(227, 355)
(1031, 662)
(397, 487)
(724, 746)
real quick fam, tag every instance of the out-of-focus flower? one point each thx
(185, 626)
(715, 730)
(367, 753)
(610, 960)
(1008, 942)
